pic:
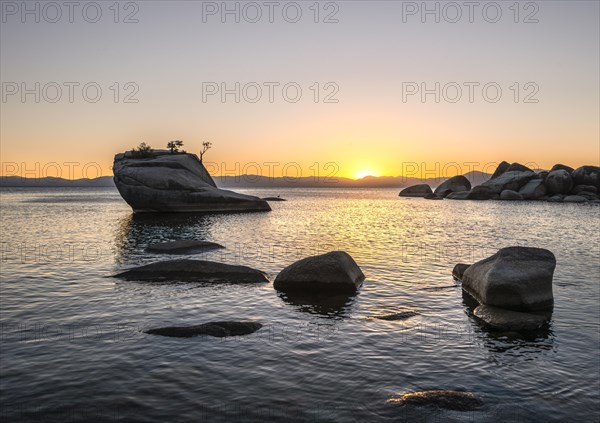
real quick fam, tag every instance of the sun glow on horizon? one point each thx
(366, 172)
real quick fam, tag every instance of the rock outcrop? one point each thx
(217, 329)
(533, 190)
(175, 182)
(559, 182)
(559, 166)
(518, 182)
(502, 167)
(420, 190)
(333, 272)
(193, 271)
(455, 184)
(515, 278)
(587, 175)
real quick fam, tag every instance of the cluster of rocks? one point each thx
(328, 276)
(513, 287)
(517, 182)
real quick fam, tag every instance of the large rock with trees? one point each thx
(170, 181)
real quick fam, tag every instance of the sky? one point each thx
(345, 88)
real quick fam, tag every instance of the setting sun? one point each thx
(366, 172)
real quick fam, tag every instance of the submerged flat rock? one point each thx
(217, 329)
(451, 400)
(397, 316)
(273, 199)
(193, 271)
(183, 246)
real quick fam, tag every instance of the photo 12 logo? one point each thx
(271, 92)
(471, 92)
(470, 11)
(270, 12)
(69, 12)
(68, 92)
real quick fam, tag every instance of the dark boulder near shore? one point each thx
(193, 271)
(455, 184)
(217, 329)
(420, 190)
(333, 272)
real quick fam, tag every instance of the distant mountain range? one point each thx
(253, 181)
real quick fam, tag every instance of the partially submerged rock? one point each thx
(166, 182)
(442, 398)
(510, 195)
(433, 197)
(397, 316)
(575, 199)
(274, 199)
(217, 329)
(515, 278)
(461, 195)
(420, 190)
(459, 270)
(183, 246)
(193, 271)
(333, 272)
(508, 320)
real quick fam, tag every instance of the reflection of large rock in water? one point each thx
(336, 305)
(166, 182)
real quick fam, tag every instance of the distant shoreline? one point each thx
(248, 181)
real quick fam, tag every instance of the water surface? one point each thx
(73, 346)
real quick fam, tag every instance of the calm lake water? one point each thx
(73, 346)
